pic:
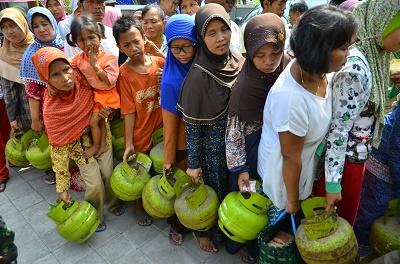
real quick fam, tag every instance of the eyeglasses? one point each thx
(186, 49)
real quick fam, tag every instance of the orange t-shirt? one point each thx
(140, 94)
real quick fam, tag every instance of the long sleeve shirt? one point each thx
(350, 133)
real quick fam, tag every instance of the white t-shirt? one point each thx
(290, 107)
(235, 38)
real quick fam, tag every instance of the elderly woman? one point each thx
(73, 99)
(153, 22)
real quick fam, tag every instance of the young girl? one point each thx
(57, 8)
(360, 94)
(264, 39)
(204, 103)
(140, 92)
(73, 101)
(101, 70)
(45, 30)
(181, 40)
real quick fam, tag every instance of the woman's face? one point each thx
(182, 49)
(189, 7)
(88, 40)
(392, 41)
(61, 76)
(55, 8)
(42, 28)
(153, 25)
(267, 58)
(11, 31)
(339, 55)
(217, 37)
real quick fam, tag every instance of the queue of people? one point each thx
(298, 111)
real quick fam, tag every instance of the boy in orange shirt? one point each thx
(139, 88)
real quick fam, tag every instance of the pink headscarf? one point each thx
(61, 2)
(349, 5)
(111, 15)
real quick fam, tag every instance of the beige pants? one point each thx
(97, 175)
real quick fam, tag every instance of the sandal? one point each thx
(120, 210)
(50, 177)
(175, 237)
(102, 227)
(145, 221)
(3, 185)
(210, 250)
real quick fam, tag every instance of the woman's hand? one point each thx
(292, 207)
(243, 182)
(105, 112)
(129, 153)
(14, 126)
(195, 174)
(331, 200)
(65, 197)
(167, 166)
(37, 125)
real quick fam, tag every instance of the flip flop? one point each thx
(145, 220)
(173, 233)
(210, 252)
(3, 185)
(120, 210)
(102, 227)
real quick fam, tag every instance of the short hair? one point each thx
(160, 12)
(321, 30)
(298, 7)
(84, 23)
(125, 23)
(270, 1)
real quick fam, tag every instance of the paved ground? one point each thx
(24, 205)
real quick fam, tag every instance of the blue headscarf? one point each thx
(28, 71)
(179, 26)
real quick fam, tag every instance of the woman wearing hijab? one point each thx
(181, 40)
(46, 33)
(204, 102)
(14, 108)
(73, 100)
(57, 9)
(111, 14)
(359, 102)
(264, 39)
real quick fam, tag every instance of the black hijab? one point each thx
(205, 91)
(252, 86)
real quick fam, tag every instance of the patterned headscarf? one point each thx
(10, 53)
(28, 71)
(374, 16)
(61, 2)
(66, 114)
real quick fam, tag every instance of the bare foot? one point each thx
(90, 152)
(103, 148)
(245, 257)
(206, 244)
(283, 238)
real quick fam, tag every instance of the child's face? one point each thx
(189, 7)
(131, 43)
(182, 49)
(55, 8)
(11, 31)
(217, 37)
(42, 29)
(61, 76)
(267, 58)
(88, 40)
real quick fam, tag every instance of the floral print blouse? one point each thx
(351, 130)
(236, 131)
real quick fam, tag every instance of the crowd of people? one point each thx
(304, 111)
